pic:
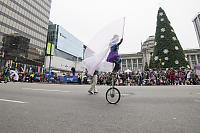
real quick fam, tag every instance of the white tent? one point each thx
(128, 71)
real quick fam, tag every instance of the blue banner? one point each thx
(62, 79)
(39, 78)
(51, 78)
(68, 79)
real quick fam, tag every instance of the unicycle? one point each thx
(113, 94)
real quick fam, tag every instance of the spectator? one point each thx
(93, 89)
(79, 78)
(73, 71)
(31, 77)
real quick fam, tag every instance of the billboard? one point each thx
(50, 49)
(68, 43)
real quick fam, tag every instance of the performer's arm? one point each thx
(120, 41)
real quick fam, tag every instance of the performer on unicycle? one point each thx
(113, 56)
(102, 55)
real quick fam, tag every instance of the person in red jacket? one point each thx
(172, 77)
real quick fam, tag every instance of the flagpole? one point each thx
(123, 28)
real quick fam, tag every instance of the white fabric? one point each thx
(98, 47)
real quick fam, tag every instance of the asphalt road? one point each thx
(56, 108)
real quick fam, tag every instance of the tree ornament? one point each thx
(161, 13)
(163, 30)
(163, 63)
(162, 19)
(176, 47)
(155, 43)
(176, 62)
(172, 30)
(156, 58)
(165, 51)
(166, 58)
(162, 36)
(174, 38)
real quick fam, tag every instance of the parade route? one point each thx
(58, 108)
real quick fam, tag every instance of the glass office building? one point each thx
(196, 22)
(23, 31)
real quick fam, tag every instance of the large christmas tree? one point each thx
(168, 52)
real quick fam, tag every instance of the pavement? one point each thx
(63, 108)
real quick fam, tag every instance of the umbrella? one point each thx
(197, 66)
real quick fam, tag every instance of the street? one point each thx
(64, 108)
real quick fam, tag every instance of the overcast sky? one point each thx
(84, 18)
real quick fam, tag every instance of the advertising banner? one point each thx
(66, 79)
(69, 44)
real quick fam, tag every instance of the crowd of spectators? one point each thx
(148, 78)
(163, 77)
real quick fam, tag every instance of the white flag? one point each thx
(98, 47)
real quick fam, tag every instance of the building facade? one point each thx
(147, 49)
(23, 32)
(196, 22)
(68, 50)
(192, 56)
(136, 61)
(133, 62)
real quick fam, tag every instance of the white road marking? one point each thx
(46, 90)
(13, 101)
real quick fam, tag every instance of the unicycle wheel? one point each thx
(113, 95)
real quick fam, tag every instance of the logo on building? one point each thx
(63, 35)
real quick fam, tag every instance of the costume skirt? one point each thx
(112, 56)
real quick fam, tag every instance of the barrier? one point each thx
(65, 79)
(61, 79)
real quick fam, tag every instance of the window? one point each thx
(129, 62)
(193, 57)
(123, 61)
(124, 65)
(194, 63)
(134, 60)
(134, 65)
(140, 60)
(198, 58)
(140, 66)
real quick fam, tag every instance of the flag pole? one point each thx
(123, 28)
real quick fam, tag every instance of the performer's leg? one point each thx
(117, 62)
(94, 82)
